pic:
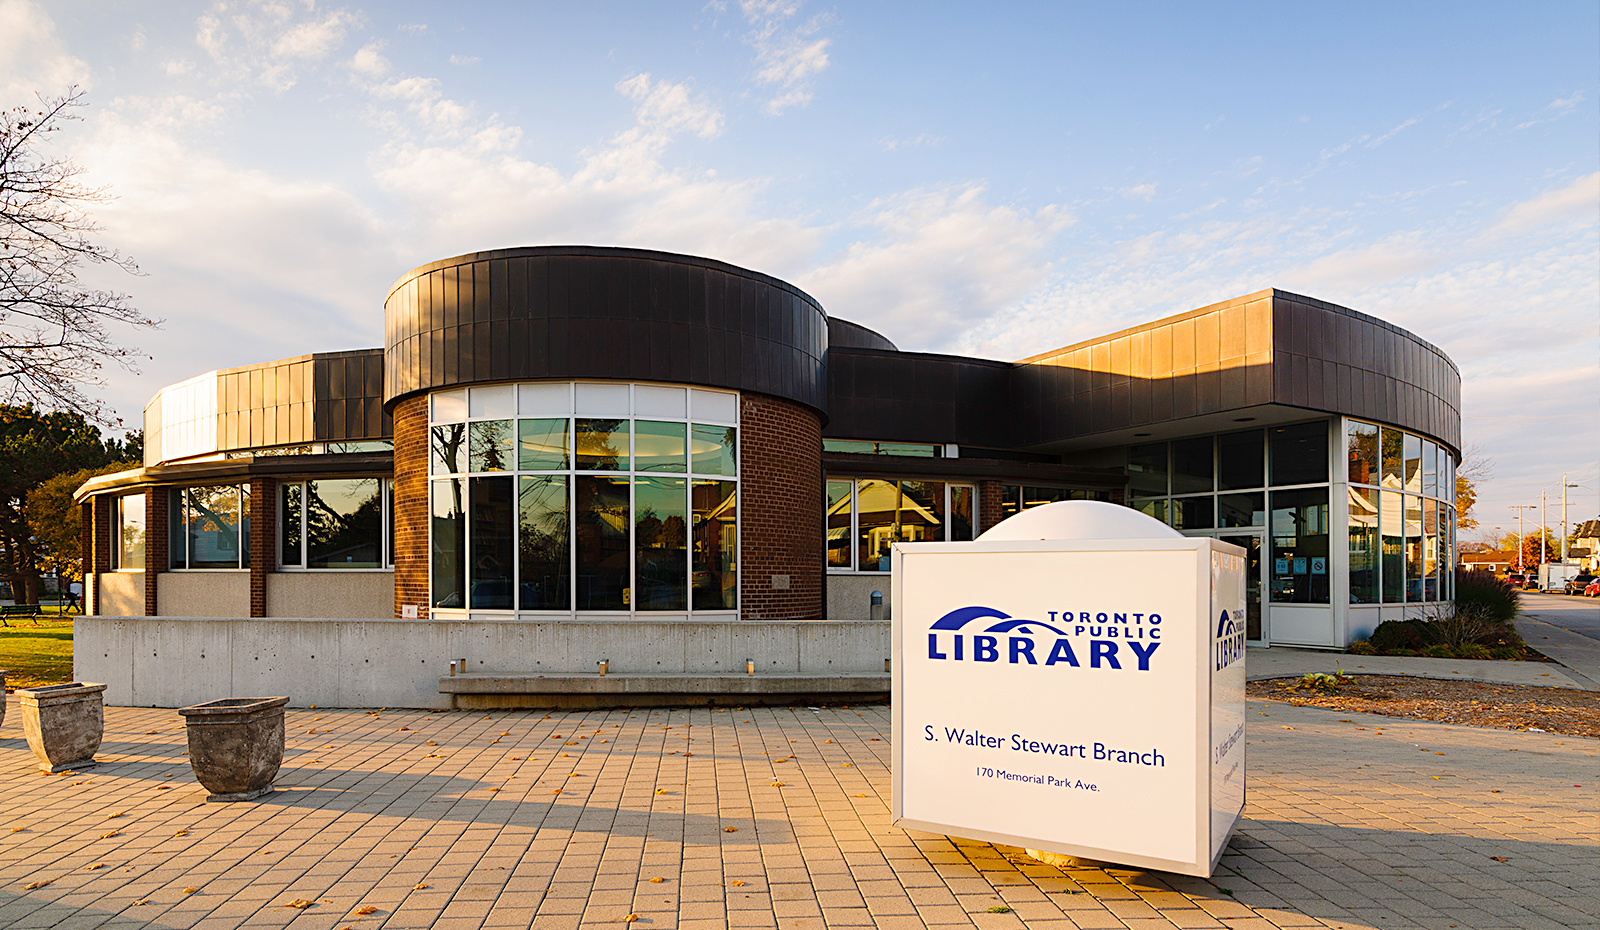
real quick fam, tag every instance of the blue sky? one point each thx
(994, 180)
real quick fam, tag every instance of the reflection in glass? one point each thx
(1413, 456)
(1147, 469)
(1191, 465)
(1393, 454)
(217, 525)
(388, 508)
(838, 516)
(661, 543)
(1010, 500)
(1242, 509)
(600, 517)
(1035, 497)
(1251, 544)
(1430, 550)
(1299, 530)
(542, 444)
(544, 564)
(130, 532)
(1392, 525)
(659, 446)
(448, 453)
(921, 511)
(1154, 508)
(1361, 452)
(343, 523)
(878, 506)
(493, 517)
(1413, 548)
(715, 450)
(602, 445)
(961, 524)
(1298, 454)
(489, 446)
(1363, 546)
(714, 581)
(1241, 462)
(1192, 513)
(448, 553)
(1430, 469)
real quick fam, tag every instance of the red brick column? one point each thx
(86, 551)
(989, 513)
(97, 557)
(780, 510)
(263, 540)
(411, 505)
(155, 545)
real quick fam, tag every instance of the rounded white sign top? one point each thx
(1079, 520)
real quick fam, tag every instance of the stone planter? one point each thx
(2, 697)
(63, 723)
(236, 745)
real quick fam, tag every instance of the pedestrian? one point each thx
(74, 597)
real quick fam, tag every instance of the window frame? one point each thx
(854, 530)
(385, 520)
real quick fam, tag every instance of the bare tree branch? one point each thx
(53, 329)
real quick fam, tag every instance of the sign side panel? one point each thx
(1227, 723)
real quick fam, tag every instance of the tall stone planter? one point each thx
(236, 745)
(63, 723)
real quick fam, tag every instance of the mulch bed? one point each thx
(1507, 707)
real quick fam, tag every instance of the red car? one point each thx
(1593, 590)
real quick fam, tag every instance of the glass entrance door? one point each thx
(1251, 544)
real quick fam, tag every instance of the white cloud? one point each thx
(1145, 192)
(1554, 110)
(788, 54)
(464, 61)
(1577, 202)
(415, 29)
(664, 107)
(915, 142)
(265, 40)
(33, 59)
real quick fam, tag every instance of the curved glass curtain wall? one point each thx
(1402, 506)
(584, 497)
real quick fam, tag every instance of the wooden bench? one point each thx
(20, 611)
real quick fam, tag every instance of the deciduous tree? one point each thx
(55, 334)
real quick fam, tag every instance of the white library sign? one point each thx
(1072, 682)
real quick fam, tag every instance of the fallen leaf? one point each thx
(557, 791)
(630, 918)
(777, 784)
(16, 829)
(96, 867)
(116, 815)
(366, 909)
(141, 902)
(107, 836)
(661, 791)
(846, 765)
(737, 883)
(181, 833)
(1495, 858)
(860, 795)
(190, 890)
(827, 741)
(39, 884)
(657, 880)
(300, 904)
(418, 887)
(730, 829)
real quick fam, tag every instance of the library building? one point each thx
(596, 472)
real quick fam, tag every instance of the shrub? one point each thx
(1402, 651)
(1392, 635)
(1487, 592)
(1504, 653)
(1439, 651)
(1469, 624)
(1363, 647)
(1474, 651)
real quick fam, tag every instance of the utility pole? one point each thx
(1564, 487)
(1544, 530)
(1519, 508)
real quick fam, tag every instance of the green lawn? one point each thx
(36, 655)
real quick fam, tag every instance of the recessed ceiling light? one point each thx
(1243, 419)
(1140, 435)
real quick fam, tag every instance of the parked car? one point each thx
(1515, 579)
(1530, 582)
(1593, 590)
(1577, 583)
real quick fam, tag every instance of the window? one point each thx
(1415, 543)
(1147, 470)
(1241, 509)
(335, 523)
(128, 520)
(1361, 452)
(1192, 465)
(1363, 505)
(1391, 522)
(1299, 453)
(209, 527)
(1393, 453)
(856, 447)
(1241, 461)
(1299, 530)
(585, 497)
(866, 516)
(1192, 513)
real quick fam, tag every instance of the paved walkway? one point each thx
(772, 817)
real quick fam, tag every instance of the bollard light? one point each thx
(452, 668)
(604, 664)
(877, 605)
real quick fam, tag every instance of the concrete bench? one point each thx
(477, 690)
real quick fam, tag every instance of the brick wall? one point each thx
(989, 495)
(97, 557)
(263, 540)
(156, 514)
(411, 505)
(780, 509)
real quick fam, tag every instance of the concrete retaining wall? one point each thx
(174, 661)
(850, 596)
